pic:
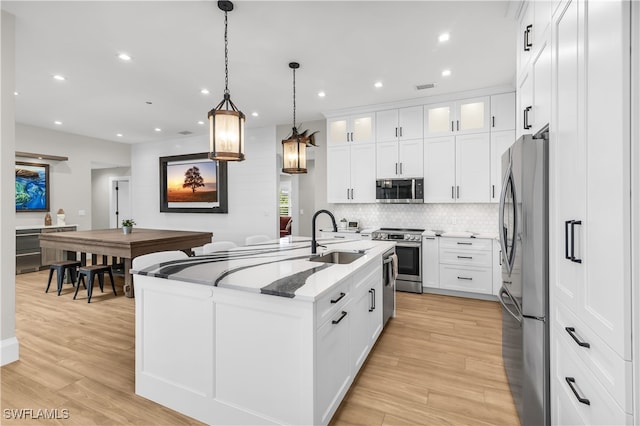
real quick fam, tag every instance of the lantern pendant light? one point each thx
(294, 148)
(226, 121)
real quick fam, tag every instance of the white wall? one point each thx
(101, 190)
(9, 347)
(70, 187)
(252, 188)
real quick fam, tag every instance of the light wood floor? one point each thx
(437, 363)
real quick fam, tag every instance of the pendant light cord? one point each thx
(226, 57)
(294, 99)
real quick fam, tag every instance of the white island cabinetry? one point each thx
(229, 354)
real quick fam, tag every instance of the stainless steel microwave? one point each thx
(400, 191)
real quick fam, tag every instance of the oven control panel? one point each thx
(379, 235)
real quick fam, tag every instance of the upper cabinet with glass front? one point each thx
(457, 118)
(355, 128)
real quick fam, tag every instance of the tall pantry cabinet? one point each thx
(590, 214)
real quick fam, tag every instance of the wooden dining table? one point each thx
(113, 242)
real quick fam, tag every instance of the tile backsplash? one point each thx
(480, 218)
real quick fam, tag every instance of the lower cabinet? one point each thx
(430, 262)
(29, 256)
(344, 340)
(466, 265)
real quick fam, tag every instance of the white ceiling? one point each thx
(177, 48)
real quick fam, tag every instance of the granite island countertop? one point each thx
(279, 268)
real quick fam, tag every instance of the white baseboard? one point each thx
(9, 351)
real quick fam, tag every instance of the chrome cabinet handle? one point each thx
(527, 126)
(465, 257)
(573, 241)
(570, 382)
(527, 43)
(572, 333)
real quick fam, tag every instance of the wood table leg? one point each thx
(128, 278)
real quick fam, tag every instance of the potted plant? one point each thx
(127, 225)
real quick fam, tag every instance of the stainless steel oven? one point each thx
(409, 252)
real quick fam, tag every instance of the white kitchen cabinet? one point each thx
(534, 93)
(351, 173)
(351, 129)
(457, 169)
(366, 319)
(466, 265)
(503, 112)
(399, 124)
(457, 118)
(524, 45)
(400, 159)
(430, 262)
(334, 373)
(500, 142)
(589, 215)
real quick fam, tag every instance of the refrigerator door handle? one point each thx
(508, 257)
(503, 292)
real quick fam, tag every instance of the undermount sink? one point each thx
(340, 257)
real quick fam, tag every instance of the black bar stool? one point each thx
(61, 267)
(90, 272)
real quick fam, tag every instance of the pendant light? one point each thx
(294, 148)
(226, 121)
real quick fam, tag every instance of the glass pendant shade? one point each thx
(226, 135)
(294, 155)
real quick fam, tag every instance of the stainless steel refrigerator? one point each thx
(524, 295)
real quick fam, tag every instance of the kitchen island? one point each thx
(257, 334)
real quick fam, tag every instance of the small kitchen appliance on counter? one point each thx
(409, 252)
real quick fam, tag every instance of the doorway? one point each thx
(119, 200)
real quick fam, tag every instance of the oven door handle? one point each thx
(407, 244)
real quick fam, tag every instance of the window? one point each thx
(284, 203)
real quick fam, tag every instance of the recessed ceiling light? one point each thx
(59, 77)
(446, 73)
(201, 122)
(378, 84)
(204, 91)
(255, 114)
(124, 57)
(16, 93)
(158, 129)
(322, 94)
(57, 123)
(119, 135)
(443, 37)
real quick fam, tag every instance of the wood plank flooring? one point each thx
(437, 363)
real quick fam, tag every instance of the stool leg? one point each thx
(101, 281)
(60, 279)
(113, 286)
(90, 287)
(49, 282)
(80, 278)
(73, 273)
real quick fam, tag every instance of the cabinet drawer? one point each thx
(568, 371)
(466, 257)
(466, 278)
(465, 243)
(613, 372)
(330, 302)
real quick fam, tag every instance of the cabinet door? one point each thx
(472, 115)
(567, 192)
(541, 69)
(338, 174)
(430, 262)
(472, 168)
(500, 142)
(440, 170)
(525, 35)
(363, 173)
(410, 123)
(541, 19)
(387, 125)
(362, 128)
(375, 314)
(338, 130)
(438, 119)
(411, 158)
(606, 227)
(503, 112)
(360, 339)
(387, 160)
(332, 363)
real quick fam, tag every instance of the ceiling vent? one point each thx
(185, 133)
(426, 86)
